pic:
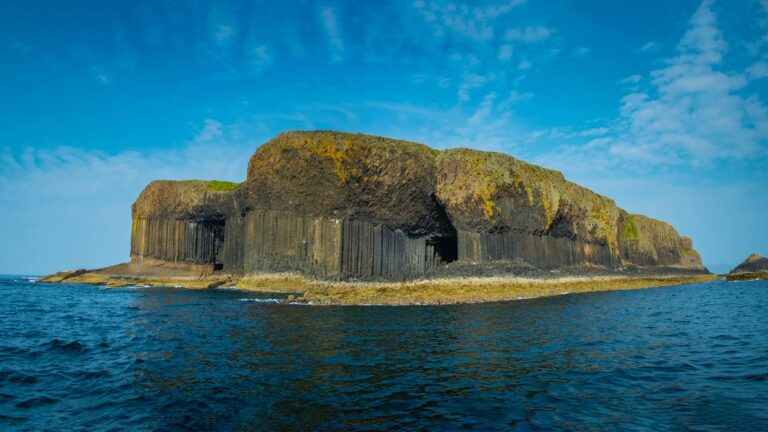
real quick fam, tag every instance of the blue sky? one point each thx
(660, 105)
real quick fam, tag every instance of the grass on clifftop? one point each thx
(221, 186)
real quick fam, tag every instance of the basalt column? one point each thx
(272, 240)
(177, 240)
(374, 251)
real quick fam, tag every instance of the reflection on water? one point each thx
(692, 357)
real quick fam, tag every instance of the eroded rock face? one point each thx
(339, 175)
(357, 206)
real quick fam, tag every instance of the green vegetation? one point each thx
(220, 186)
(630, 229)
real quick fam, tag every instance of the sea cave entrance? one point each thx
(447, 249)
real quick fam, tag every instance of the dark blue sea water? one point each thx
(76, 357)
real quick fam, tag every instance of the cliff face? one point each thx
(353, 206)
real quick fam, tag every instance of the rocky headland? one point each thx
(340, 217)
(754, 267)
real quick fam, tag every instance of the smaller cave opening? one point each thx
(447, 248)
(445, 241)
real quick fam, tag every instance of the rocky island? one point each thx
(352, 218)
(754, 267)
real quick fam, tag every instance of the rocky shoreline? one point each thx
(437, 290)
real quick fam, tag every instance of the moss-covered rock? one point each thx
(340, 175)
(185, 199)
(494, 192)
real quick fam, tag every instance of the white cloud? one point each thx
(333, 33)
(505, 52)
(259, 57)
(693, 113)
(594, 132)
(223, 33)
(471, 82)
(59, 197)
(650, 47)
(490, 125)
(632, 79)
(515, 96)
(222, 26)
(101, 75)
(473, 22)
(758, 70)
(528, 34)
(524, 65)
(580, 52)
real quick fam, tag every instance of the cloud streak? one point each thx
(694, 112)
(333, 33)
(71, 196)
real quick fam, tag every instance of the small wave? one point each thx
(261, 300)
(130, 287)
(36, 402)
(757, 377)
(61, 346)
(16, 377)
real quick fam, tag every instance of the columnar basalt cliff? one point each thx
(350, 206)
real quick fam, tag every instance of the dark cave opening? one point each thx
(447, 248)
(446, 244)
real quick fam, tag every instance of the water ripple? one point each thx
(682, 358)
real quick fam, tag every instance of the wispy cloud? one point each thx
(259, 57)
(471, 82)
(692, 111)
(528, 34)
(73, 196)
(649, 47)
(333, 33)
(101, 75)
(474, 22)
(580, 52)
(632, 79)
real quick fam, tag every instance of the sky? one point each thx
(662, 106)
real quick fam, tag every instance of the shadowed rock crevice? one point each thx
(359, 207)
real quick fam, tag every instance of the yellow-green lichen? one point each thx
(326, 145)
(604, 226)
(630, 229)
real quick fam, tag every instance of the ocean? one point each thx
(77, 357)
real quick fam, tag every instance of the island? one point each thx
(755, 267)
(347, 218)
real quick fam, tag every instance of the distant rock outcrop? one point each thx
(350, 206)
(754, 267)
